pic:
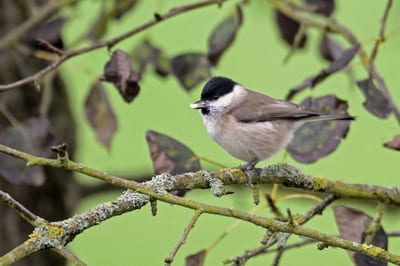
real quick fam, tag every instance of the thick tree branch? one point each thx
(110, 42)
(59, 233)
(284, 174)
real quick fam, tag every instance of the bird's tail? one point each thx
(329, 117)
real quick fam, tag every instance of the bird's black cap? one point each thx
(217, 87)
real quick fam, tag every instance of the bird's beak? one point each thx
(199, 105)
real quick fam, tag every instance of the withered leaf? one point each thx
(288, 29)
(339, 63)
(329, 49)
(223, 35)
(100, 114)
(352, 224)
(196, 259)
(33, 136)
(394, 143)
(376, 102)
(323, 7)
(118, 70)
(49, 32)
(147, 53)
(190, 69)
(121, 7)
(169, 155)
(317, 139)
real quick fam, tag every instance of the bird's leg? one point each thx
(247, 167)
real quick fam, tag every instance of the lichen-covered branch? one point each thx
(283, 174)
(59, 233)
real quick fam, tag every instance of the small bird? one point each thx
(249, 125)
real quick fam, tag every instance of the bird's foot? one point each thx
(247, 169)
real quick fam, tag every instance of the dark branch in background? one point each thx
(381, 37)
(44, 12)
(108, 43)
(330, 25)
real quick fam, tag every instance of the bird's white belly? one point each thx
(249, 141)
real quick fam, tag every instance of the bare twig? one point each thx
(48, 46)
(381, 36)
(375, 224)
(19, 208)
(274, 208)
(297, 39)
(108, 43)
(71, 257)
(278, 257)
(189, 227)
(319, 208)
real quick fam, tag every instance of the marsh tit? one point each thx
(249, 125)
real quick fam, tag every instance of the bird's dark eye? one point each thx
(215, 97)
(205, 111)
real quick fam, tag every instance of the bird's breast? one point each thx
(249, 141)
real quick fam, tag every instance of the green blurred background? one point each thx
(255, 60)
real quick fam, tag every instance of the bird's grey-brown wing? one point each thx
(260, 108)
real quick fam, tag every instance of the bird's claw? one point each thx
(247, 169)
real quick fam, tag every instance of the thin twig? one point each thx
(297, 40)
(278, 257)
(189, 227)
(381, 36)
(107, 43)
(319, 208)
(274, 208)
(19, 208)
(375, 224)
(71, 257)
(48, 46)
